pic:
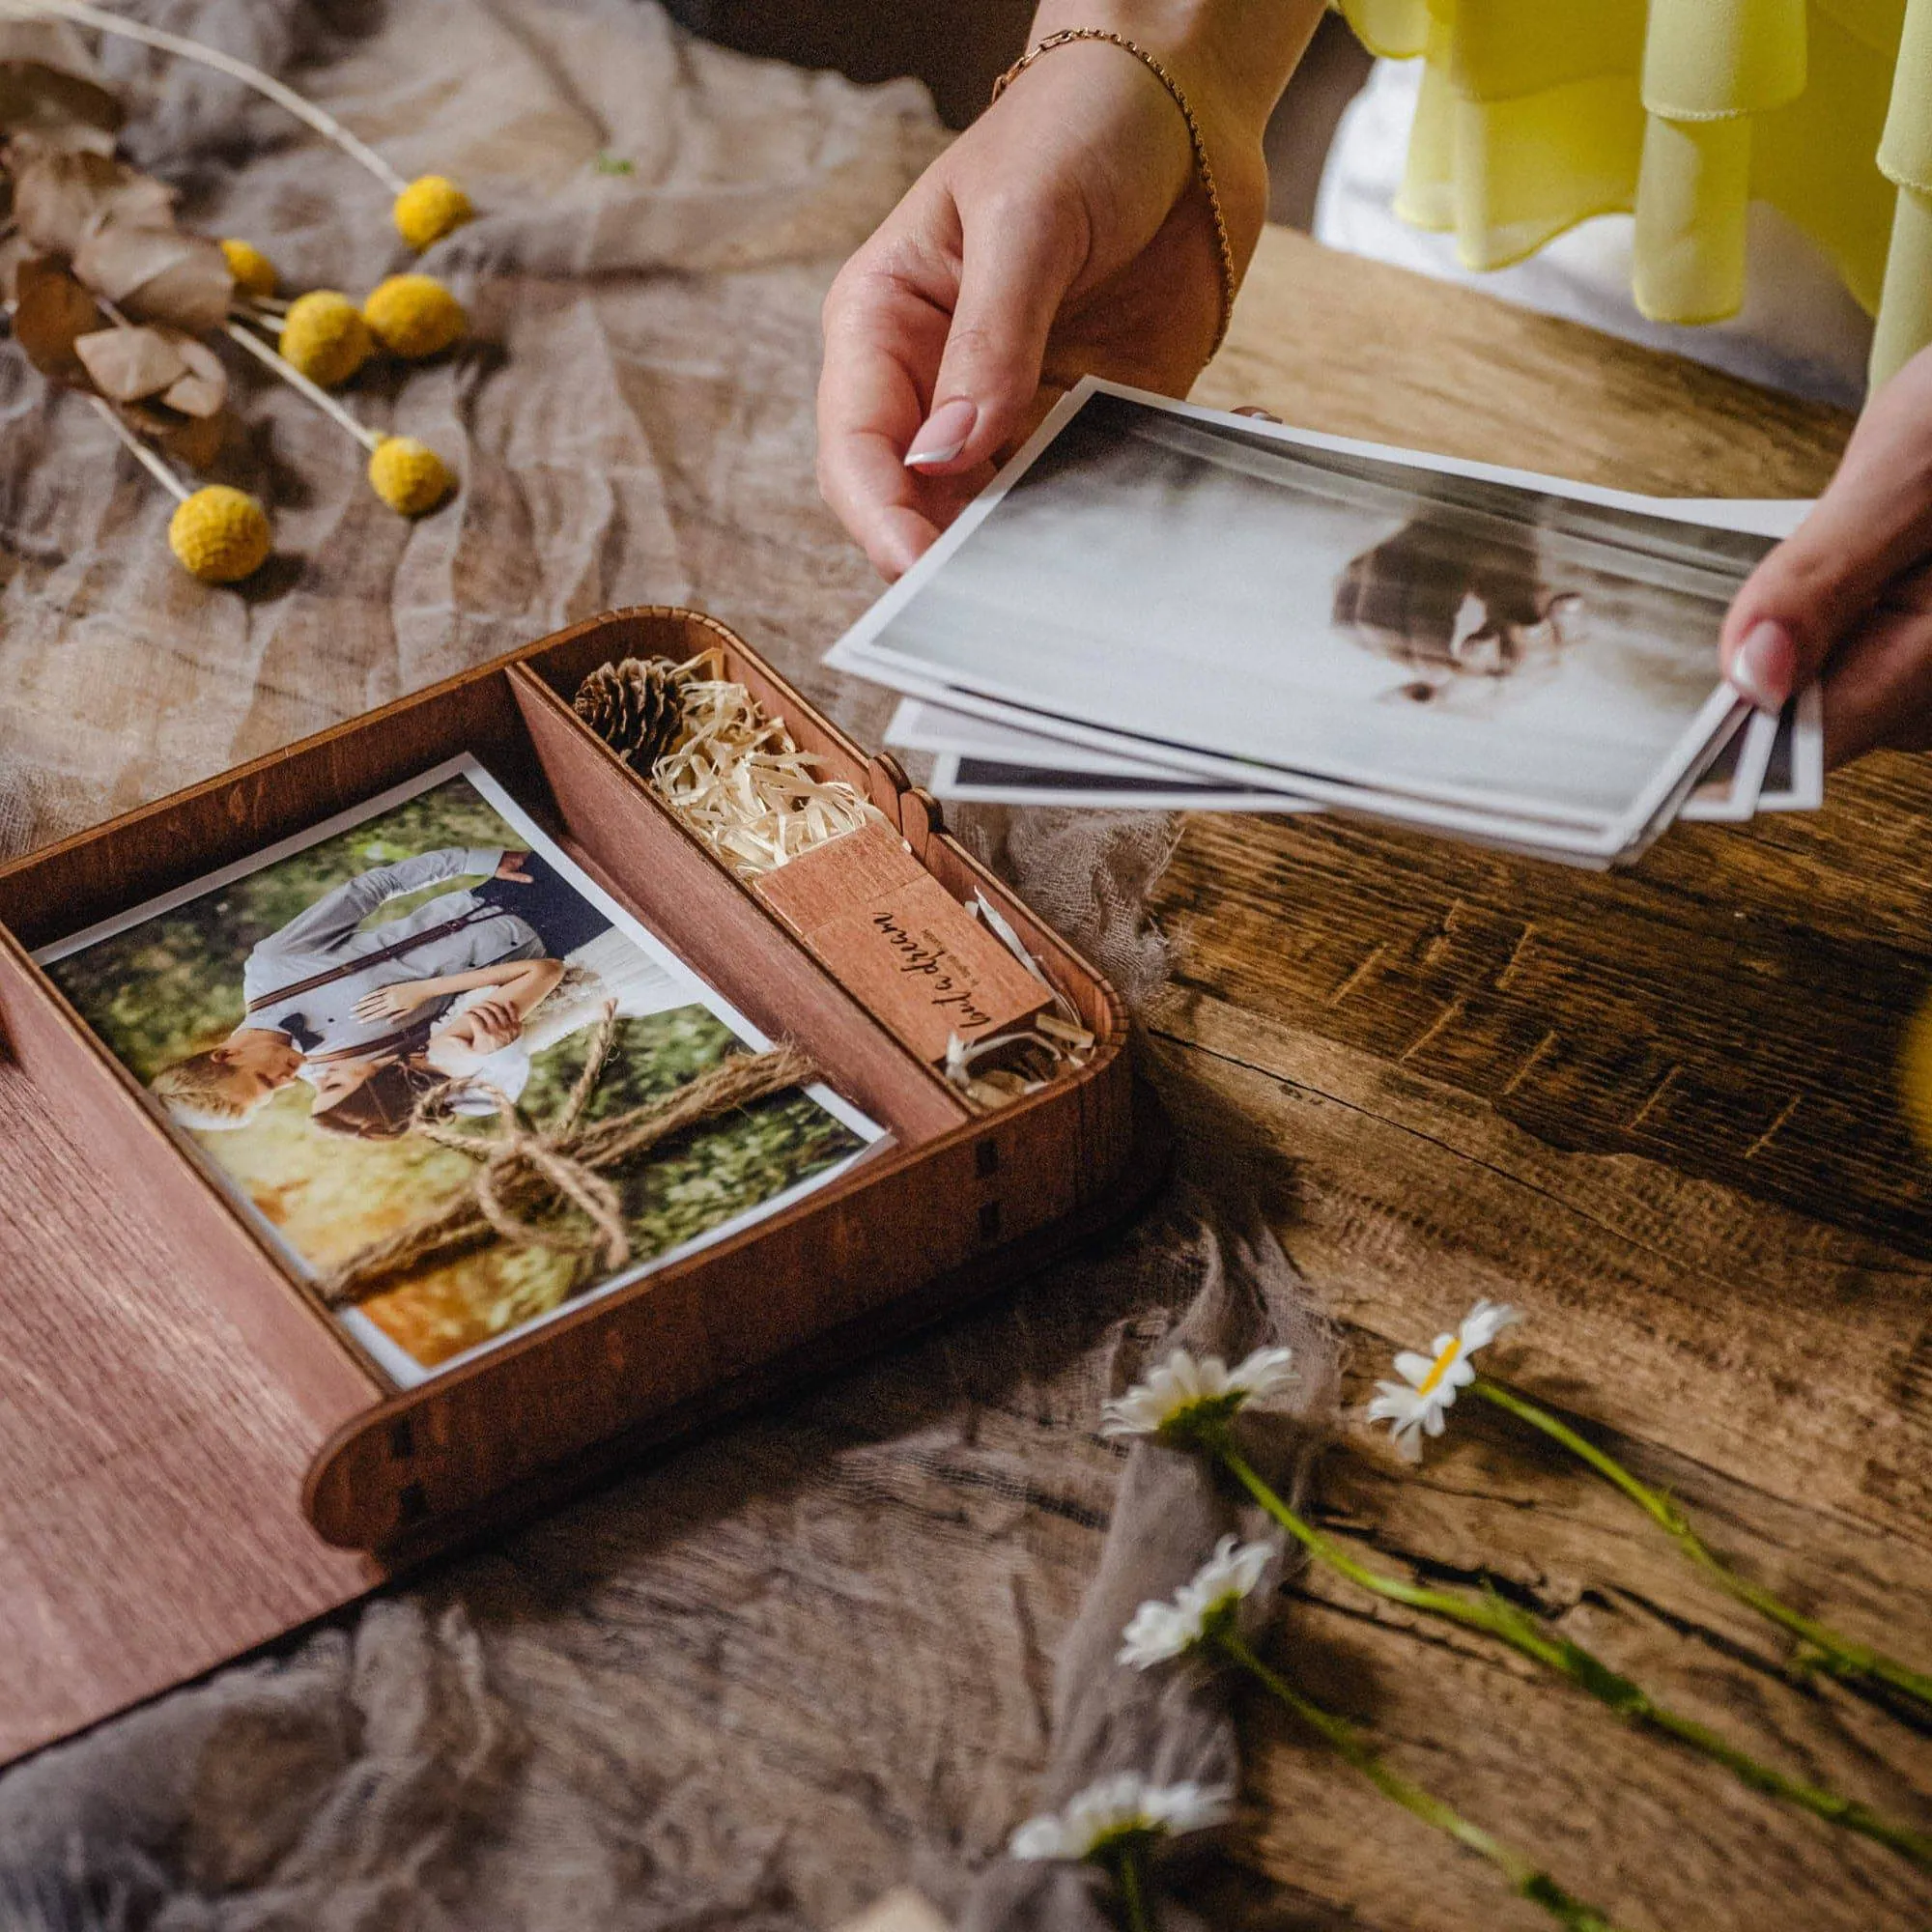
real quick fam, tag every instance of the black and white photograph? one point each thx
(1271, 606)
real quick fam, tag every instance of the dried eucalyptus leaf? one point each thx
(49, 85)
(60, 196)
(130, 365)
(51, 310)
(195, 441)
(196, 396)
(203, 390)
(159, 275)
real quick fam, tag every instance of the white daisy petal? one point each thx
(1417, 1405)
(1043, 1837)
(1158, 1632)
(1161, 1631)
(1484, 1322)
(1391, 1402)
(1264, 1371)
(1183, 1387)
(1121, 1807)
(1413, 1367)
(1190, 1808)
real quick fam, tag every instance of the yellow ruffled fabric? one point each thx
(1536, 114)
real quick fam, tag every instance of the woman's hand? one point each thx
(1065, 233)
(397, 1002)
(490, 1024)
(1849, 596)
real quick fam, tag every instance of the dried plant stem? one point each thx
(1494, 1616)
(1838, 1656)
(368, 437)
(1130, 1874)
(325, 123)
(140, 451)
(1529, 1880)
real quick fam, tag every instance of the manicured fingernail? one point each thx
(1766, 665)
(944, 435)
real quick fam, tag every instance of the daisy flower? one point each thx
(1182, 1396)
(1120, 1811)
(1161, 1631)
(1428, 1383)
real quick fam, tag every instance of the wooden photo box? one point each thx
(194, 1459)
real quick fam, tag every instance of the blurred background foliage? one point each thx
(173, 984)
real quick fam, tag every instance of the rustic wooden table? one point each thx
(1658, 1111)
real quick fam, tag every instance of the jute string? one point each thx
(524, 1171)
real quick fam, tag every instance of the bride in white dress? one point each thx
(606, 974)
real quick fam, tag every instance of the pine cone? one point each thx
(636, 707)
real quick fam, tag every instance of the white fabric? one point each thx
(1798, 328)
(607, 969)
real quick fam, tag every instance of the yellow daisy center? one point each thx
(1439, 1367)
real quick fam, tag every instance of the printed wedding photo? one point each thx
(343, 1026)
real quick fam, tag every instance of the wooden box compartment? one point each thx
(957, 1201)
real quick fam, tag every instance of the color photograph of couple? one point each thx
(332, 1022)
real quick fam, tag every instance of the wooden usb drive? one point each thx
(892, 935)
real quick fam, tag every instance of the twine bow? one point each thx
(523, 1172)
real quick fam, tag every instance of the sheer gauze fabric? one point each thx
(1535, 115)
(841, 1645)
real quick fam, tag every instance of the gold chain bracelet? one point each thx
(1203, 166)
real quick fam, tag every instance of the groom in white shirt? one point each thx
(304, 982)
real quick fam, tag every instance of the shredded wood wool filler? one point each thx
(735, 777)
(740, 781)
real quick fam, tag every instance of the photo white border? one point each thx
(917, 726)
(1739, 803)
(1702, 737)
(1107, 792)
(402, 1367)
(1806, 790)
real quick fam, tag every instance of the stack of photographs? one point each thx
(1155, 605)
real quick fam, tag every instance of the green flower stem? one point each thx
(1528, 1880)
(1496, 1617)
(1131, 1879)
(1840, 1657)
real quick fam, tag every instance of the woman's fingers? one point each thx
(883, 338)
(1873, 524)
(1878, 691)
(882, 331)
(1019, 257)
(494, 1023)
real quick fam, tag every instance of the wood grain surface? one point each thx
(1657, 1110)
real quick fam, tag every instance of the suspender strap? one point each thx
(412, 1040)
(364, 960)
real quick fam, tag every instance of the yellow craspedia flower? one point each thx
(409, 475)
(254, 273)
(430, 208)
(414, 316)
(219, 535)
(325, 338)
